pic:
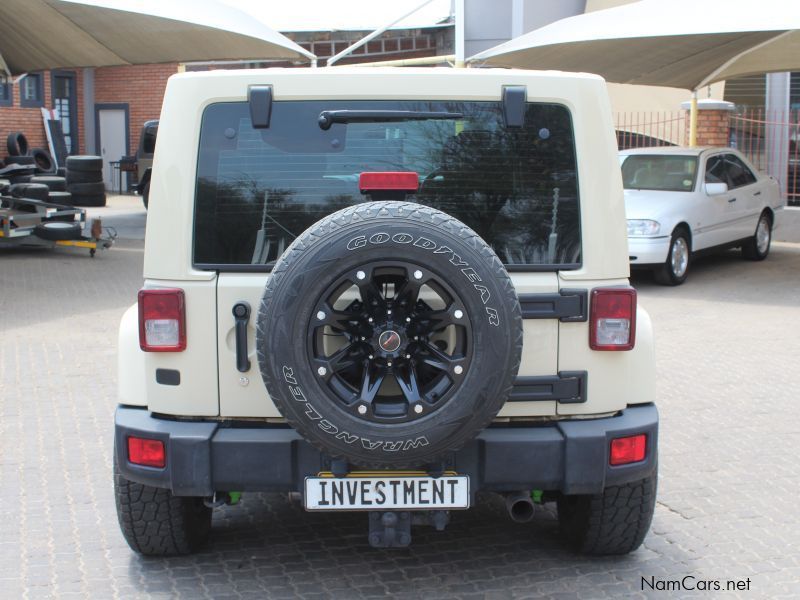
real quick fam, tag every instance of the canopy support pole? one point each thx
(693, 120)
(334, 59)
(459, 12)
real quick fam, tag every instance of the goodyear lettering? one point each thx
(427, 244)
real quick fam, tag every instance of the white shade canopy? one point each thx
(679, 43)
(49, 34)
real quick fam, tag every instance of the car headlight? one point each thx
(643, 227)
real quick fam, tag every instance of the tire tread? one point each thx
(362, 213)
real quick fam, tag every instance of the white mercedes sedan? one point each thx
(682, 201)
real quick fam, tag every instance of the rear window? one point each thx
(258, 189)
(670, 173)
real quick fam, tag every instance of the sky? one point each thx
(316, 15)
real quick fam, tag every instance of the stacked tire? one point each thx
(17, 146)
(36, 160)
(85, 180)
(57, 187)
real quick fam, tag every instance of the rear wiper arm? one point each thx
(329, 117)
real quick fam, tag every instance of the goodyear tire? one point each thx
(389, 335)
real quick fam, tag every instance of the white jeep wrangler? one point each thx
(385, 290)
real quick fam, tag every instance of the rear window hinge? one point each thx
(260, 99)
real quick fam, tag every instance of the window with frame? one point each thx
(6, 94)
(259, 189)
(739, 174)
(31, 91)
(728, 169)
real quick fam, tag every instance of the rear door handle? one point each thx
(241, 313)
(757, 194)
(731, 200)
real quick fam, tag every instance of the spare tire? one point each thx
(84, 163)
(389, 334)
(57, 231)
(17, 144)
(43, 160)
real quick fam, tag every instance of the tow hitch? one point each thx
(393, 529)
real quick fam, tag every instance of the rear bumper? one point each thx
(567, 456)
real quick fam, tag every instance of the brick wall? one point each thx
(141, 87)
(713, 127)
(713, 122)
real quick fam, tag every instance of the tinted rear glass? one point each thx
(258, 189)
(669, 173)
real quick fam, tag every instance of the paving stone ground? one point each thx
(728, 349)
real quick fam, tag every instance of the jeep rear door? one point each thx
(259, 188)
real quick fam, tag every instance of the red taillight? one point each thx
(162, 320)
(612, 324)
(627, 450)
(388, 181)
(149, 453)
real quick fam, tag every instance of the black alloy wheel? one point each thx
(391, 341)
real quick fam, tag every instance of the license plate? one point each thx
(387, 493)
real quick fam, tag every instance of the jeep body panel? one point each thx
(210, 384)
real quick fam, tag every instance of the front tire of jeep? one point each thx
(154, 522)
(612, 522)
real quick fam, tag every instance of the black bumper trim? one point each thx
(568, 456)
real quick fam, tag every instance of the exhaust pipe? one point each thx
(520, 506)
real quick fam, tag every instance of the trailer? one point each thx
(35, 223)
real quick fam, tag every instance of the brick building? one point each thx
(103, 109)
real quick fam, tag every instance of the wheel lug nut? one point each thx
(361, 275)
(321, 315)
(416, 337)
(408, 319)
(363, 339)
(417, 274)
(389, 364)
(458, 370)
(322, 371)
(362, 410)
(458, 314)
(388, 312)
(369, 320)
(371, 356)
(408, 356)
(418, 408)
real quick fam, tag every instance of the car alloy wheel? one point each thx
(679, 257)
